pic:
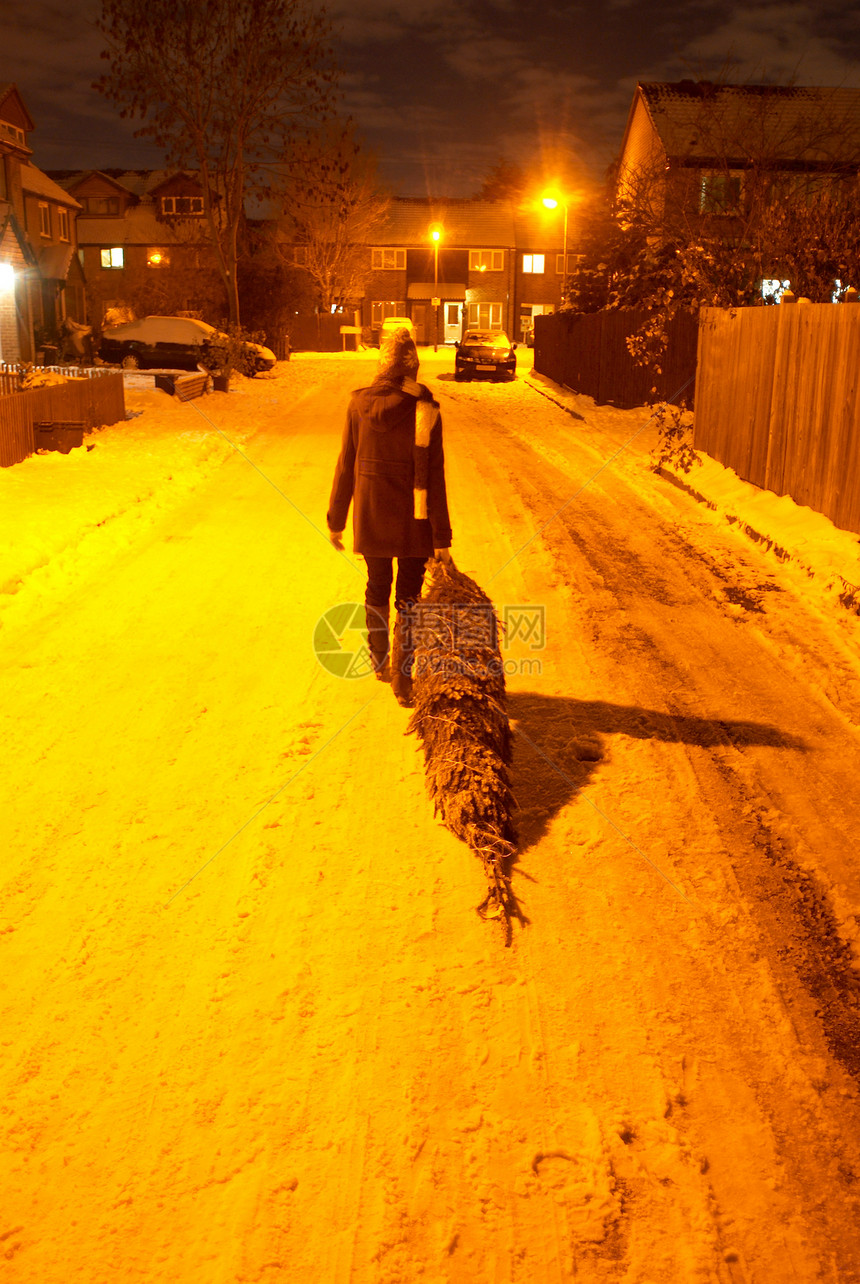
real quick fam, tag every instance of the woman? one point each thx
(392, 469)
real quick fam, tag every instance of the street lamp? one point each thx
(551, 202)
(435, 237)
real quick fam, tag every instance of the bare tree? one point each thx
(331, 225)
(231, 88)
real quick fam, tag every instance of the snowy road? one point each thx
(252, 1028)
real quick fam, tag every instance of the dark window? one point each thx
(720, 193)
(182, 204)
(100, 204)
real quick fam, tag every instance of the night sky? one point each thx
(443, 89)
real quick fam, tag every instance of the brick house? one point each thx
(145, 243)
(496, 268)
(708, 148)
(146, 248)
(41, 279)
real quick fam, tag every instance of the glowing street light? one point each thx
(7, 277)
(435, 237)
(551, 201)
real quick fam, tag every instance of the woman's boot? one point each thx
(377, 641)
(403, 657)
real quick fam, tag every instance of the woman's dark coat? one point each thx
(376, 470)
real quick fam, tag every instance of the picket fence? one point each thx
(778, 401)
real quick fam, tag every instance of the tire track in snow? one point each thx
(615, 589)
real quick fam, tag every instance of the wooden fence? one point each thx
(778, 401)
(87, 402)
(318, 332)
(588, 353)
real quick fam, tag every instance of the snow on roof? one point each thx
(700, 120)
(468, 224)
(101, 231)
(38, 184)
(543, 228)
(139, 227)
(142, 182)
(139, 182)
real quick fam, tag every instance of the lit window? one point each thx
(533, 263)
(156, 258)
(44, 219)
(386, 260)
(112, 258)
(486, 260)
(485, 316)
(62, 224)
(720, 193)
(182, 204)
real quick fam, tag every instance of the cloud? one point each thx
(51, 51)
(364, 23)
(442, 89)
(776, 43)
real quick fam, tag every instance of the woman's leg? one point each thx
(410, 573)
(410, 576)
(380, 573)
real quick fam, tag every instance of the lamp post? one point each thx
(551, 202)
(435, 237)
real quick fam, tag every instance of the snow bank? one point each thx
(792, 532)
(59, 512)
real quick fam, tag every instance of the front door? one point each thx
(453, 322)
(419, 320)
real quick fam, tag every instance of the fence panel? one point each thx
(16, 429)
(588, 353)
(778, 401)
(90, 402)
(318, 332)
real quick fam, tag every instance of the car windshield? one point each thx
(486, 339)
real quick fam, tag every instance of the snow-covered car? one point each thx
(396, 323)
(485, 354)
(178, 342)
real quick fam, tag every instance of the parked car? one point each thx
(485, 354)
(396, 323)
(178, 342)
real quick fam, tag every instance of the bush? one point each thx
(674, 447)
